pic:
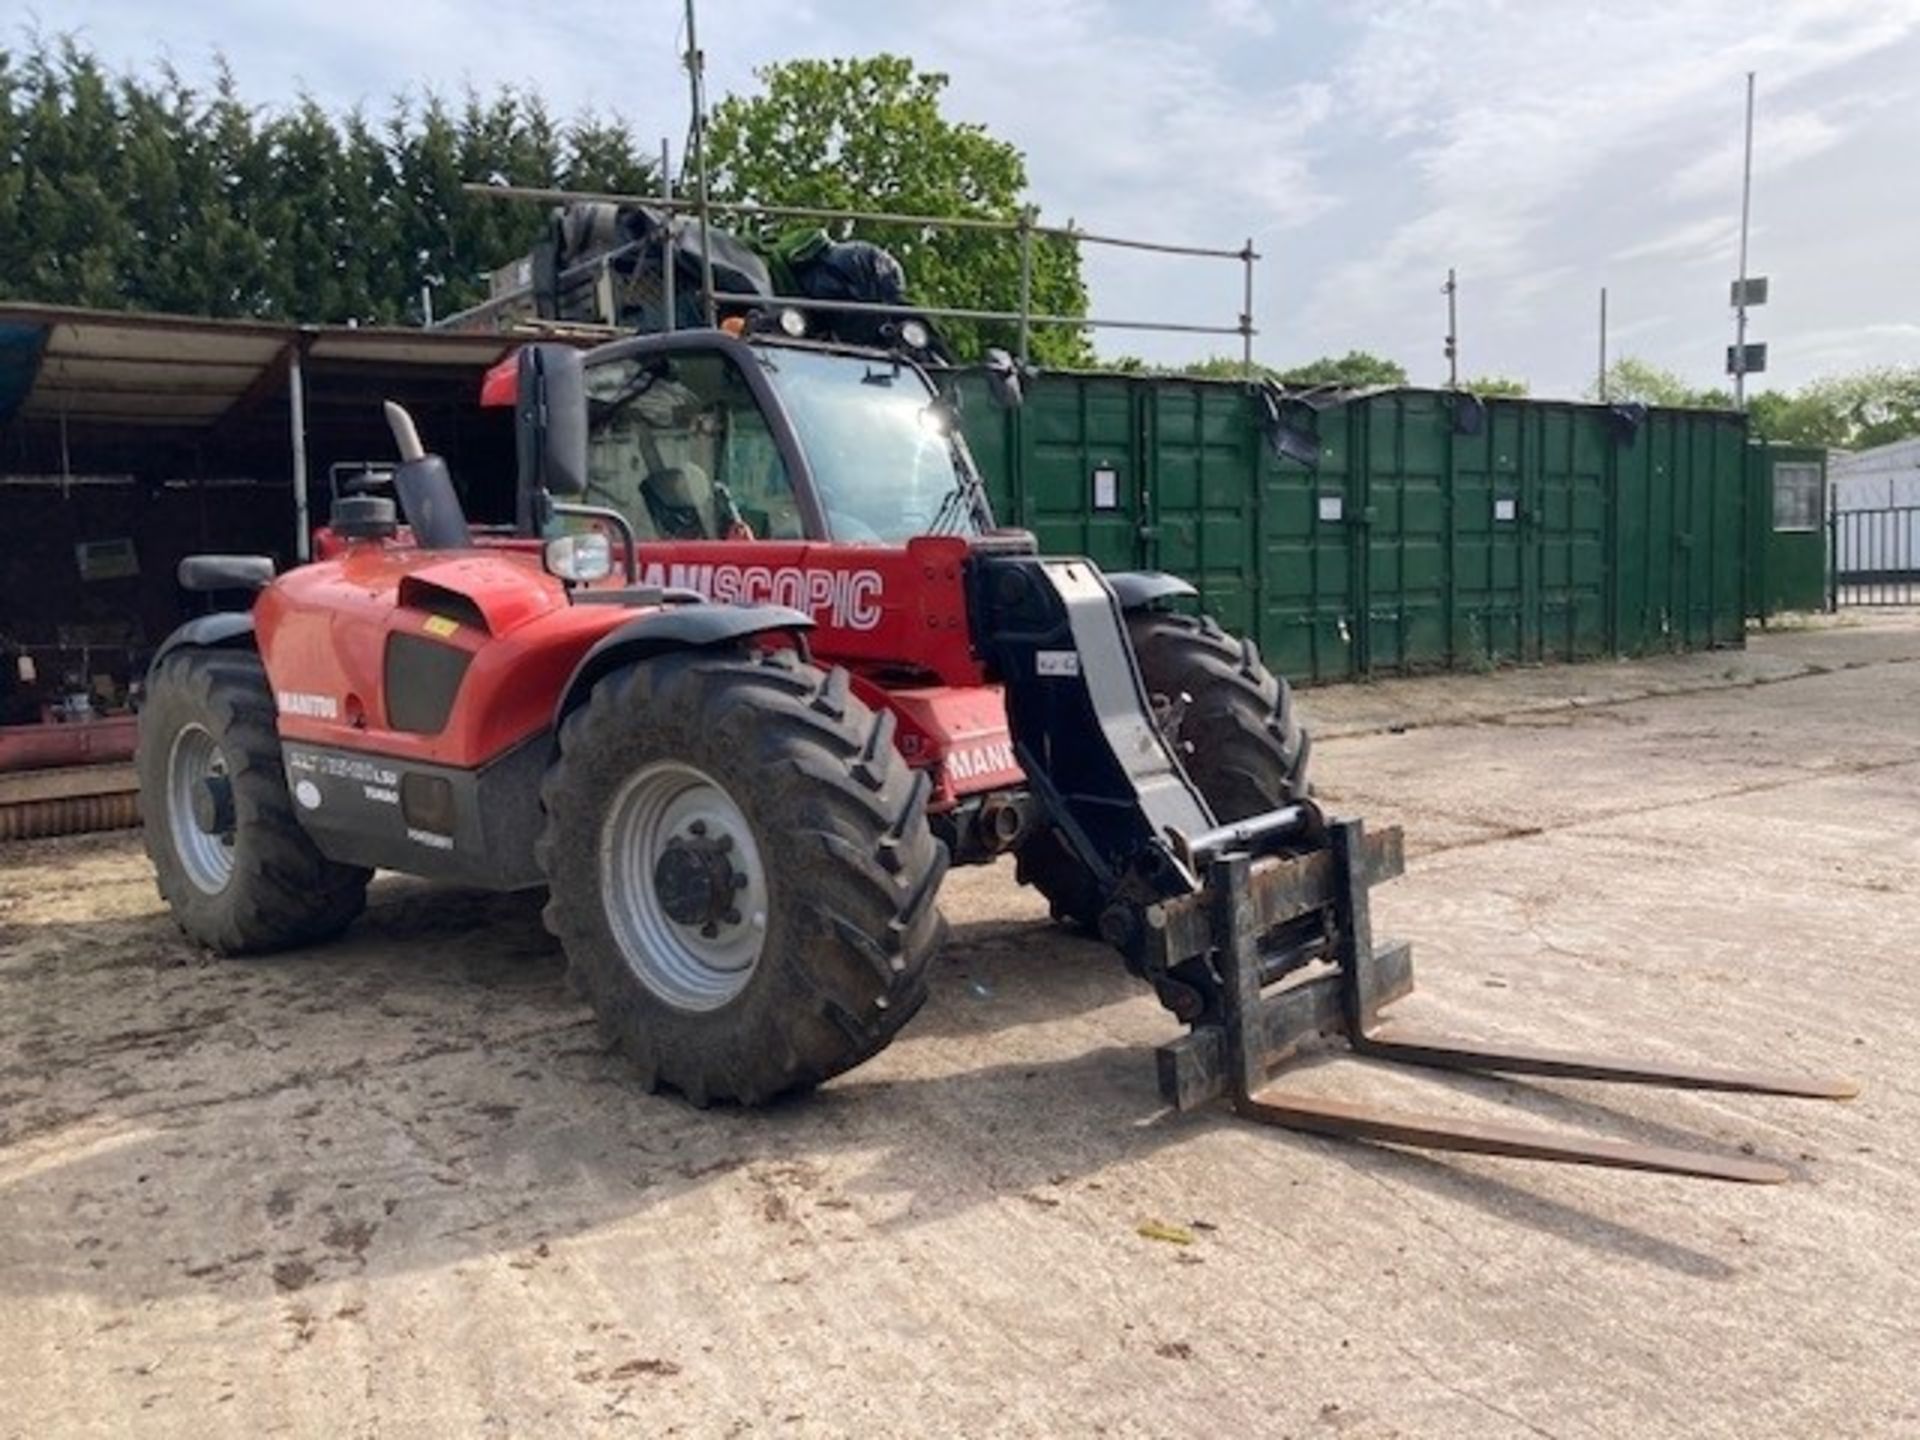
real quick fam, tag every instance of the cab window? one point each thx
(678, 445)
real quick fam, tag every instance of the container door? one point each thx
(1485, 527)
(1658, 470)
(1567, 528)
(1202, 492)
(1728, 530)
(1309, 544)
(1080, 476)
(993, 438)
(1694, 553)
(1407, 438)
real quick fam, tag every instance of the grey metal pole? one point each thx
(696, 79)
(553, 195)
(1026, 279)
(1740, 296)
(1453, 331)
(297, 424)
(1246, 311)
(1602, 388)
(667, 297)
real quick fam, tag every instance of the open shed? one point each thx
(128, 441)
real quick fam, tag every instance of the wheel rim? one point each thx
(207, 858)
(670, 821)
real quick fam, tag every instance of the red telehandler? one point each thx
(752, 668)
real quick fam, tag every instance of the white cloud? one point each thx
(1133, 130)
(1834, 350)
(1516, 118)
(1252, 16)
(1710, 237)
(1542, 147)
(1618, 333)
(1782, 141)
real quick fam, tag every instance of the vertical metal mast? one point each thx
(1452, 287)
(1740, 292)
(696, 83)
(669, 244)
(1601, 389)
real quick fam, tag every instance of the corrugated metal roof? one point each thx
(179, 370)
(1894, 458)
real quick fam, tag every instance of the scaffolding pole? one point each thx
(1023, 226)
(696, 79)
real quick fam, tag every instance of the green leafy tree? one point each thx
(76, 237)
(868, 134)
(1496, 385)
(146, 192)
(1632, 380)
(1849, 412)
(1356, 370)
(1225, 367)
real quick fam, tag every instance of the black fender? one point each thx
(1138, 589)
(224, 630)
(675, 627)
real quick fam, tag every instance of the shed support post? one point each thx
(297, 422)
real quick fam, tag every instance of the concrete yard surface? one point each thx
(394, 1185)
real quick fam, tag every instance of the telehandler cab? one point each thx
(752, 668)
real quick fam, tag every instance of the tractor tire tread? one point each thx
(282, 891)
(853, 868)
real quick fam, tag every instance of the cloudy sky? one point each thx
(1542, 148)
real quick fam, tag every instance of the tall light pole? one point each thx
(1452, 289)
(697, 84)
(1740, 290)
(1601, 388)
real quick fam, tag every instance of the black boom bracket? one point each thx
(1051, 631)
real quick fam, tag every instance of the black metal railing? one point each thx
(1873, 556)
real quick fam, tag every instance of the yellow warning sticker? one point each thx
(440, 625)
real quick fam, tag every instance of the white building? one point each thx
(1876, 510)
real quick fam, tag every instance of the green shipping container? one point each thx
(1787, 528)
(1435, 531)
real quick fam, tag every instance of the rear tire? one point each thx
(1231, 721)
(256, 881)
(833, 854)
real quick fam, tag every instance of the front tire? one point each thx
(740, 871)
(239, 873)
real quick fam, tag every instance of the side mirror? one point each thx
(550, 422)
(1003, 380)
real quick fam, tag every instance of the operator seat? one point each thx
(680, 502)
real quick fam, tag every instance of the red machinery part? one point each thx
(73, 742)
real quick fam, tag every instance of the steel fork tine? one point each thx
(1394, 1127)
(1409, 1047)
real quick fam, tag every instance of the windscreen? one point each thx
(880, 446)
(678, 445)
